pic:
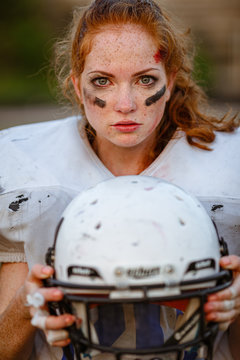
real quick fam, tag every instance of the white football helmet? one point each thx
(136, 258)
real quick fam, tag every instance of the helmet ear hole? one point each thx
(50, 256)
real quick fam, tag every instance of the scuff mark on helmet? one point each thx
(86, 236)
(182, 222)
(97, 227)
(22, 139)
(178, 198)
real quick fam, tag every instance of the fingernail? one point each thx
(69, 320)
(57, 293)
(46, 270)
(225, 261)
(212, 316)
(208, 307)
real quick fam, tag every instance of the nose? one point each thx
(125, 102)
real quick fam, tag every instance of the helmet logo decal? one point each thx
(82, 271)
(201, 264)
(141, 272)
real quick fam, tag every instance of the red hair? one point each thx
(183, 108)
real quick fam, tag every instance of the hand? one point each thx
(224, 306)
(37, 297)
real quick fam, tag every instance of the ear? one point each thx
(171, 80)
(76, 85)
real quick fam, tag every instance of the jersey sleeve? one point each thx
(225, 212)
(28, 219)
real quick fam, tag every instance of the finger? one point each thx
(230, 293)
(40, 272)
(62, 343)
(54, 336)
(231, 262)
(39, 298)
(59, 322)
(226, 305)
(49, 294)
(228, 316)
(39, 319)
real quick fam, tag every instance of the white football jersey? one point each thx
(44, 165)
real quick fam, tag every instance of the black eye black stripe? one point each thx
(152, 99)
(99, 102)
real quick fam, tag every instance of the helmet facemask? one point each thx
(163, 328)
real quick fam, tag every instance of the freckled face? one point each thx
(123, 89)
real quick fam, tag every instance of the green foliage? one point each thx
(25, 50)
(204, 70)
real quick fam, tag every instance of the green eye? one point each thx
(101, 81)
(147, 80)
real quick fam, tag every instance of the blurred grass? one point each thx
(204, 72)
(25, 33)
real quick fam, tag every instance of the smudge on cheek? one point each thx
(93, 100)
(152, 99)
(99, 102)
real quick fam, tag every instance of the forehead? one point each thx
(123, 44)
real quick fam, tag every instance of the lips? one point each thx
(126, 126)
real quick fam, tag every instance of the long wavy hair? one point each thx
(184, 109)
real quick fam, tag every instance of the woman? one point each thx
(130, 72)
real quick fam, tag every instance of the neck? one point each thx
(123, 160)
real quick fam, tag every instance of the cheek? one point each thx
(153, 125)
(154, 119)
(92, 100)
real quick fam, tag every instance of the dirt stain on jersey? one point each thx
(15, 205)
(216, 207)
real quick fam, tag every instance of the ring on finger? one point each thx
(39, 319)
(36, 300)
(56, 335)
(229, 304)
(233, 292)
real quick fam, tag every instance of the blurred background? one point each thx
(29, 28)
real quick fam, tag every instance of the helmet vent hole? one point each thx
(182, 222)
(134, 182)
(94, 202)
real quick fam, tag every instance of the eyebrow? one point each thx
(136, 74)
